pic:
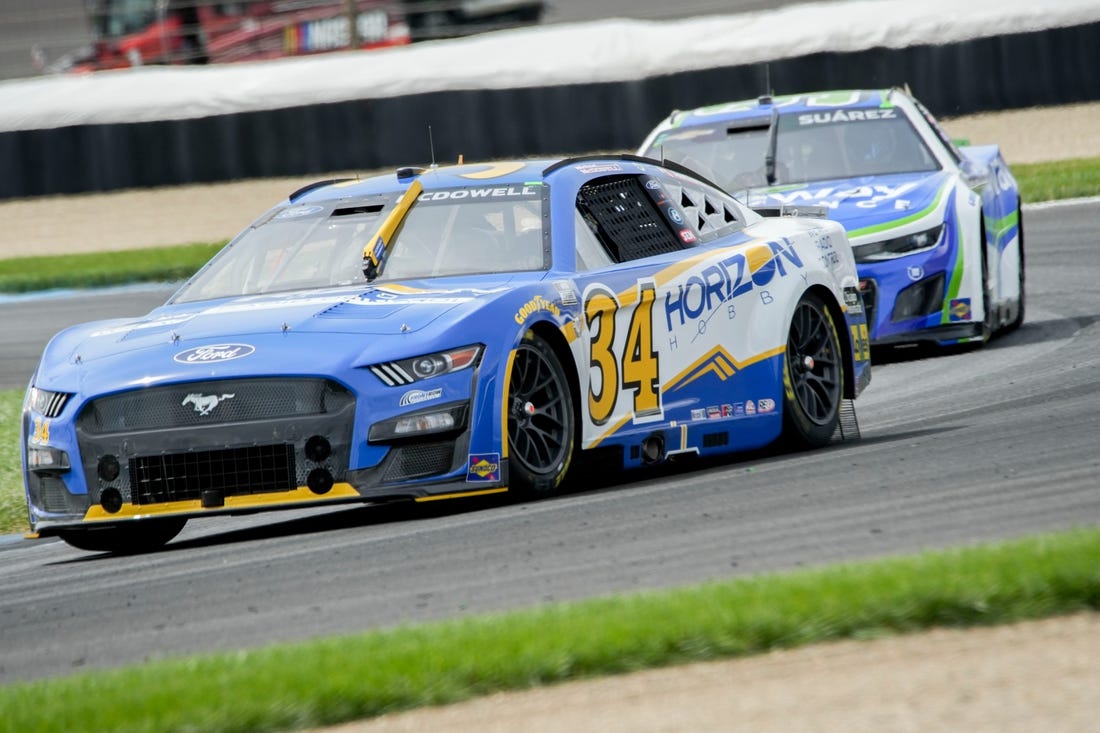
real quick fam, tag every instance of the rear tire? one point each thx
(126, 539)
(540, 419)
(813, 376)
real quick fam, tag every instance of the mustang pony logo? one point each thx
(205, 403)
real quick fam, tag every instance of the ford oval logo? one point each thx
(214, 353)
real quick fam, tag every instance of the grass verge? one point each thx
(354, 677)
(13, 505)
(1038, 182)
(97, 269)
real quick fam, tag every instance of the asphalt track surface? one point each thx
(957, 448)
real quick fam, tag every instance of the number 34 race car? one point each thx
(444, 333)
(935, 227)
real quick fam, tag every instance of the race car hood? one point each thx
(858, 203)
(319, 331)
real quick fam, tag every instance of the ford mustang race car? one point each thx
(443, 333)
(935, 226)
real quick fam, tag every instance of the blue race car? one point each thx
(935, 227)
(444, 333)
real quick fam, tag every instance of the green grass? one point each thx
(353, 677)
(97, 269)
(1058, 180)
(1038, 182)
(342, 679)
(13, 507)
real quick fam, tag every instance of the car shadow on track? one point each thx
(1028, 334)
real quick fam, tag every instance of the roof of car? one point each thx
(492, 174)
(787, 104)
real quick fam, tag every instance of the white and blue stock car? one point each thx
(446, 333)
(935, 227)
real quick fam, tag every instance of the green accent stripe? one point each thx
(1003, 225)
(956, 274)
(875, 228)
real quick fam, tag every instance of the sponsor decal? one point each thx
(589, 168)
(483, 467)
(687, 236)
(535, 305)
(865, 197)
(852, 301)
(675, 215)
(738, 409)
(386, 297)
(915, 272)
(495, 192)
(765, 405)
(717, 285)
(727, 410)
(416, 396)
(960, 309)
(204, 404)
(750, 407)
(214, 353)
(699, 414)
(295, 211)
(714, 411)
(653, 184)
(566, 292)
(851, 115)
(41, 434)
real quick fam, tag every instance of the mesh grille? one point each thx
(629, 224)
(413, 461)
(55, 498)
(210, 403)
(232, 472)
(869, 291)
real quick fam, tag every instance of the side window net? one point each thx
(625, 219)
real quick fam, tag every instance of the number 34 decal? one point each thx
(635, 367)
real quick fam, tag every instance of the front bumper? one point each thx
(258, 445)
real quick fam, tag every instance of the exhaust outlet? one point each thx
(653, 449)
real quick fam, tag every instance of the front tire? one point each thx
(126, 539)
(540, 419)
(813, 376)
(1019, 319)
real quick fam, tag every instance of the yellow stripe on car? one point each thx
(301, 495)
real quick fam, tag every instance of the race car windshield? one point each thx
(809, 147)
(451, 232)
(308, 247)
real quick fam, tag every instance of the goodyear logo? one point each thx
(536, 304)
(700, 295)
(483, 467)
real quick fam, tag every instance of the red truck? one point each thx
(137, 32)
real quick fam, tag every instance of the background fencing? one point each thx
(1052, 65)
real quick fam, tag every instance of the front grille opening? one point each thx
(415, 461)
(231, 472)
(920, 299)
(868, 290)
